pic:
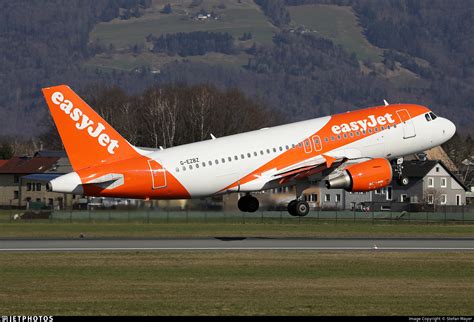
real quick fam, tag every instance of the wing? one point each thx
(323, 163)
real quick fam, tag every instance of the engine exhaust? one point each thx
(343, 181)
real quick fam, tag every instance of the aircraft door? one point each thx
(407, 123)
(318, 145)
(308, 148)
(158, 174)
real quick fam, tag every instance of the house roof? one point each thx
(25, 165)
(419, 169)
(50, 154)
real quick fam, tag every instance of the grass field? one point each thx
(237, 283)
(235, 19)
(252, 228)
(337, 23)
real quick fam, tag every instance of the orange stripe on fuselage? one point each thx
(298, 154)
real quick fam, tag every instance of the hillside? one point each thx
(302, 58)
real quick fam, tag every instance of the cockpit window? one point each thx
(428, 117)
(433, 116)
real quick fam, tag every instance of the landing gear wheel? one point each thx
(302, 208)
(252, 204)
(403, 181)
(292, 207)
(248, 204)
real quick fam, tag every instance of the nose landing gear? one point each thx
(401, 180)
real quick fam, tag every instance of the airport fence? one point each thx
(440, 215)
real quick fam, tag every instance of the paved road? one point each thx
(228, 243)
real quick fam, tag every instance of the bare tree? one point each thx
(432, 196)
(201, 109)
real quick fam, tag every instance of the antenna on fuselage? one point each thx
(385, 102)
(212, 136)
(161, 148)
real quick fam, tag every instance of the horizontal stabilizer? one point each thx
(41, 177)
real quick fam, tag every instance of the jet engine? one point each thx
(365, 176)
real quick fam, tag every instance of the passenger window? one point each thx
(210, 162)
(338, 137)
(229, 158)
(326, 139)
(281, 149)
(261, 152)
(382, 128)
(249, 155)
(287, 147)
(255, 153)
(268, 151)
(184, 168)
(332, 138)
(345, 136)
(293, 146)
(177, 169)
(236, 157)
(376, 129)
(242, 156)
(274, 150)
(216, 161)
(190, 167)
(197, 165)
(300, 145)
(204, 164)
(351, 134)
(223, 160)
(358, 133)
(370, 130)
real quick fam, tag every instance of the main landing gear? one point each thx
(401, 179)
(248, 203)
(298, 208)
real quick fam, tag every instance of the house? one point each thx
(18, 190)
(431, 182)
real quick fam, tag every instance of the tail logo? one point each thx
(83, 122)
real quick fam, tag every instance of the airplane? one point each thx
(357, 151)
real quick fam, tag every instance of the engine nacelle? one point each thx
(365, 176)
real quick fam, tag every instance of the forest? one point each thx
(193, 43)
(298, 76)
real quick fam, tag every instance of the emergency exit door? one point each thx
(158, 174)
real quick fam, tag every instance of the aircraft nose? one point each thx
(449, 129)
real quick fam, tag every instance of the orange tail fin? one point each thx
(88, 139)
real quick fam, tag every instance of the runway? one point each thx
(237, 243)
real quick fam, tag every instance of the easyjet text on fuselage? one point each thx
(362, 125)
